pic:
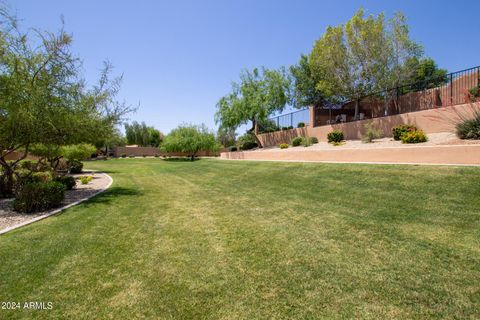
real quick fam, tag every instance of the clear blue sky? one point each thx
(179, 57)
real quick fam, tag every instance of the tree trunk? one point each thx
(6, 179)
(252, 132)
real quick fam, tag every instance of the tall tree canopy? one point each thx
(305, 91)
(44, 98)
(259, 94)
(142, 135)
(364, 55)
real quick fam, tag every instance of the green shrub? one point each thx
(156, 155)
(297, 141)
(301, 125)
(284, 128)
(414, 137)
(313, 140)
(371, 133)
(232, 148)
(39, 196)
(290, 127)
(86, 179)
(247, 142)
(67, 181)
(123, 155)
(470, 128)
(42, 176)
(283, 145)
(144, 155)
(397, 131)
(75, 166)
(335, 136)
(474, 94)
(307, 142)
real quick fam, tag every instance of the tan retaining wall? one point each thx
(436, 120)
(152, 151)
(458, 154)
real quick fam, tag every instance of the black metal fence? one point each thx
(290, 120)
(434, 92)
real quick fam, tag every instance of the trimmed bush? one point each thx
(247, 142)
(123, 155)
(232, 148)
(397, 131)
(67, 181)
(335, 136)
(41, 176)
(156, 155)
(39, 196)
(297, 141)
(290, 127)
(283, 145)
(313, 140)
(301, 125)
(414, 137)
(131, 156)
(470, 128)
(75, 166)
(284, 128)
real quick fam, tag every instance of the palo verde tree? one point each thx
(366, 54)
(259, 94)
(190, 139)
(44, 99)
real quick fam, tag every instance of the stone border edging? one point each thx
(58, 210)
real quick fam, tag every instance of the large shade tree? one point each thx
(44, 99)
(259, 94)
(366, 54)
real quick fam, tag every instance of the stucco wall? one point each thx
(458, 154)
(435, 120)
(152, 151)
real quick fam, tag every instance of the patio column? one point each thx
(312, 116)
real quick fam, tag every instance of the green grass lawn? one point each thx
(243, 240)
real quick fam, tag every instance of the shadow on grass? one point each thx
(180, 159)
(113, 194)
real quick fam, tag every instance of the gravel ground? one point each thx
(9, 218)
(434, 139)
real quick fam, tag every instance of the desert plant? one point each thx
(39, 196)
(86, 179)
(469, 128)
(306, 142)
(335, 136)
(301, 125)
(414, 137)
(313, 140)
(297, 141)
(371, 133)
(283, 145)
(474, 94)
(67, 181)
(397, 131)
(285, 128)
